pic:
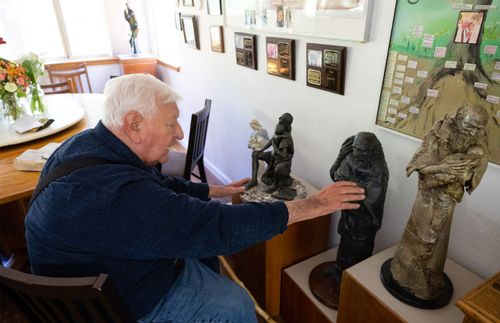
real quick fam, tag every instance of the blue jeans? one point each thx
(201, 295)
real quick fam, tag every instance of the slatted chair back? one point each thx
(196, 145)
(58, 88)
(74, 72)
(54, 299)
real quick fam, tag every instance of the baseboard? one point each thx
(217, 172)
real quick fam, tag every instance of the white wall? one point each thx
(322, 122)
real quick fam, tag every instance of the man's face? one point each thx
(159, 133)
(471, 125)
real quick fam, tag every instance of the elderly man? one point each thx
(453, 156)
(121, 217)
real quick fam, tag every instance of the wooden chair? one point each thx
(58, 88)
(73, 72)
(183, 164)
(49, 299)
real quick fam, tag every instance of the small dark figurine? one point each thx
(279, 161)
(361, 159)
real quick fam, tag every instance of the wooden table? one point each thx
(17, 186)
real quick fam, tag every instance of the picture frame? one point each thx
(177, 19)
(217, 38)
(469, 26)
(433, 67)
(280, 54)
(190, 31)
(188, 3)
(214, 7)
(332, 19)
(246, 50)
(325, 67)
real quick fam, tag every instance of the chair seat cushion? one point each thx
(175, 164)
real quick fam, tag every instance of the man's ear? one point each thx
(132, 123)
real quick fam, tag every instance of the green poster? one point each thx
(442, 54)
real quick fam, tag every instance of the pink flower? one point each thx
(2, 76)
(22, 81)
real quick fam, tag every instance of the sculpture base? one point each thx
(407, 297)
(324, 285)
(258, 193)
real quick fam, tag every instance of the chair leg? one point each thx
(201, 169)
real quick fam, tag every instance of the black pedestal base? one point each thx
(324, 285)
(405, 296)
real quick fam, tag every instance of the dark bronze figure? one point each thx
(361, 159)
(279, 161)
(452, 157)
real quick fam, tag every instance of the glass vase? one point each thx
(12, 108)
(37, 104)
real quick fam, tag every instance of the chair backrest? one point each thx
(196, 145)
(74, 72)
(58, 88)
(51, 299)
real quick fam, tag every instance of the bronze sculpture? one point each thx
(361, 159)
(279, 161)
(134, 28)
(452, 157)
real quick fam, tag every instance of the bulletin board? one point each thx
(337, 19)
(442, 54)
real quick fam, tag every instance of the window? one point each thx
(54, 28)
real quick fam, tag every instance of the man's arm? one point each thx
(331, 198)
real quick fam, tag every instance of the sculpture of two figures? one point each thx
(361, 159)
(452, 157)
(279, 161)
(134, 28)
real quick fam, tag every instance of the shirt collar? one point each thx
(124, 153)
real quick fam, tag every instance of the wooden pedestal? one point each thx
(260, 266)
(482, 304)
(363, 298)
(298, 304)
(138, 64)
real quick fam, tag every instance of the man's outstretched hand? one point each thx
(229, 189)
(331, 198)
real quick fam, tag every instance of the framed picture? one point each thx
(325, 66)
(337, 19)
(214, 7)
(190, 30)
(468, 27)
(217, 39)
(246, 50)
(281, 57)
(177, 19)
(188, 3)
(441, 55)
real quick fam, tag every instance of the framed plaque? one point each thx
(325, 66)
(246, 50)
(280, 54)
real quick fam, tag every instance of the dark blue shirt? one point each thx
(127, 220)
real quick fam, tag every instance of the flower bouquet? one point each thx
(14, 84)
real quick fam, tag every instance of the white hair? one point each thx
(134, 92)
